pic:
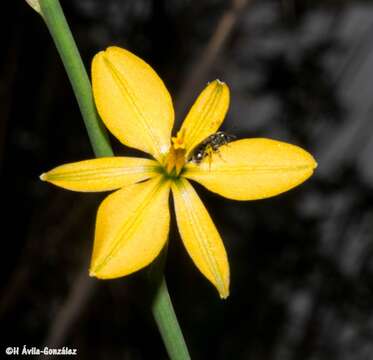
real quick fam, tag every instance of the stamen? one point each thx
(175, 159)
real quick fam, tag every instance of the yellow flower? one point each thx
(133, 223)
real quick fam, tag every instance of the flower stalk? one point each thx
(162, 308)
(163, 311)
(58, 27)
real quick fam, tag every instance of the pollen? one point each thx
(178, 140)
(176, 157)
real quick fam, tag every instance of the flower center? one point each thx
(175, 159)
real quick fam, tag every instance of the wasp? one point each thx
(211, 144)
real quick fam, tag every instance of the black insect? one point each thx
(211, 144)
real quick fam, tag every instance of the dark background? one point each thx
(302, 271)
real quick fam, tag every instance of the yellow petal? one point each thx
(102, 174)
(132, 101)
(131, 229)
(200, 236)
(251, 169)
(206, 114)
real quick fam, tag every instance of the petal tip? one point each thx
(224, 295)
(92, 273)
(95, 270)
(43, 177)
(114, 50)
(223, 287)
(111, 48)
(220, 84)
(312, 163)
(98, 55)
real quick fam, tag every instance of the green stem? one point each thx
(164, 313)
(59, 29)
(162, 308)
